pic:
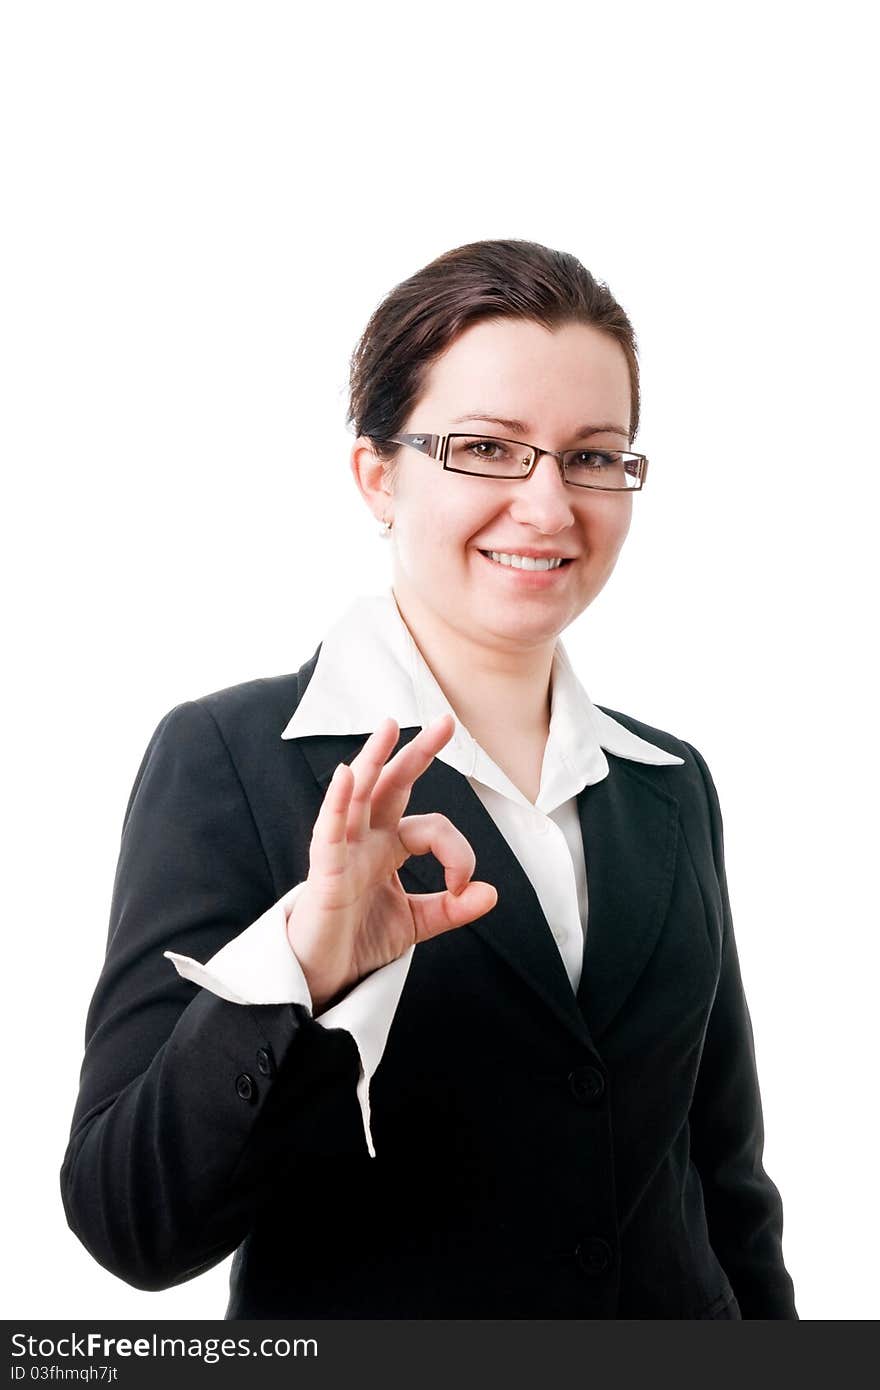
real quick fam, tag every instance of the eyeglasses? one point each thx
(483, 456)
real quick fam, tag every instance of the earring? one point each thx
(385, 528)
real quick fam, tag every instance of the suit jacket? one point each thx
(539, 1154)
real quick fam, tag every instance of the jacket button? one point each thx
(265, 1062)
(245, 1087)
(587, 1084)
(594, 1255)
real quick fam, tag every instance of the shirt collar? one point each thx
(371, 636)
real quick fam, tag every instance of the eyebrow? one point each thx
(519, 427)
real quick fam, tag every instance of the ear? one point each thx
(371, 475)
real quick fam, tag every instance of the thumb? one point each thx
(434, 913)
(474, 900)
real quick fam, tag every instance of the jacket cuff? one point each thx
(259, 967)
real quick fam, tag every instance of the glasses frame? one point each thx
(436, 446)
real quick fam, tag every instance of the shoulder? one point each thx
(242, 717)
(661, 738)
(691, 779)
(264, 699)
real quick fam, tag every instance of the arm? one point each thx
(743, 1206)
(189, 1103)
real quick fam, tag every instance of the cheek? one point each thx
(437, 533)
(607, 526)
(454, 523)
(621, 527)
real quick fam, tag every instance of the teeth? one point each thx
(524, 562)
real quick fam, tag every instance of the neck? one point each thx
(478, 680)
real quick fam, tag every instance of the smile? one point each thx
(525, 562)
(524, 574)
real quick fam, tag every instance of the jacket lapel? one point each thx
(630, 833)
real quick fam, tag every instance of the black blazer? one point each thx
(539, 1155)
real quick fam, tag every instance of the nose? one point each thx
(544, 500)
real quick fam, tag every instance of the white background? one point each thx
(203, 204)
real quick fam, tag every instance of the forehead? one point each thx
(513, 367)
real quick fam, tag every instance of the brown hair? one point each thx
(420, 318)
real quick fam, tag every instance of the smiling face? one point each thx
(515, 379)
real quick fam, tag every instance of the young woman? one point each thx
(421, 990)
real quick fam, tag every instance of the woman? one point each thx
(514, 1079)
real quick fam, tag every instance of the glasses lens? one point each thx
(489, 457)
(605, 468)
(493, 458)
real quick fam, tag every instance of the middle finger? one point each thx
(394, 785)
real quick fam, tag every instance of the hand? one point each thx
(354, 914)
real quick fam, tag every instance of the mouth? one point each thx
(524, 576)
(563, 560)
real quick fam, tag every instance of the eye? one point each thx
(593, 458)
(483, 448)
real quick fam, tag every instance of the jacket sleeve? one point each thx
(259, 967)
(190, 1104)
(743, 1206)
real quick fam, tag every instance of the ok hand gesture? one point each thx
(354, 914)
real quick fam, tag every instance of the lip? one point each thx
(526, 579)
(528, 552)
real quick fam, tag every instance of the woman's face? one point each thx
(565, 388)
